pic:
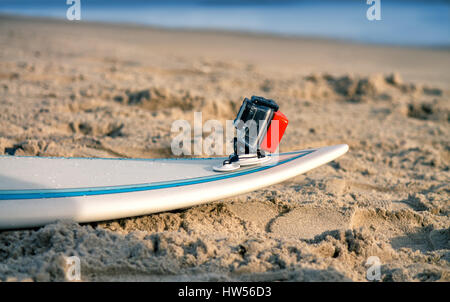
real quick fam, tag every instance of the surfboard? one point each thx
(35, 191)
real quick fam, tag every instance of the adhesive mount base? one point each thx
(242, 161)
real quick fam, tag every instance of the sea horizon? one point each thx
(411, 23)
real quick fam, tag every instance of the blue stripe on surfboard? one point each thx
(136, 159)
(59, 193)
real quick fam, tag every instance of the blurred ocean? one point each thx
(414, 22)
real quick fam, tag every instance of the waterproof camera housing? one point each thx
(260, 127)
(252, 122)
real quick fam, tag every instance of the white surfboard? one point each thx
(35, 191)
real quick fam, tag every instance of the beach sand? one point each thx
(96, 90)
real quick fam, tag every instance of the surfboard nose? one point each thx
(343, 147)
(337, 149)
